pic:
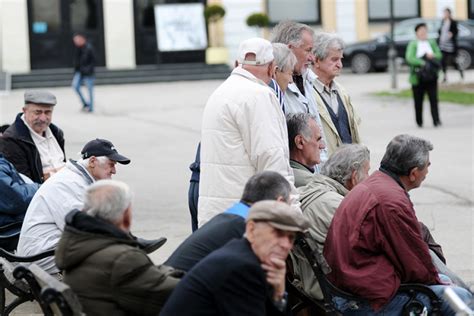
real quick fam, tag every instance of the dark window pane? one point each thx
(83, 15)
(45, 16)
(299, 10)
(146, 12)
(380, 9)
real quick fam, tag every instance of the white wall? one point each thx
(14, 40)
(119, 34)
(345, 20)
(443, 4)
(235, 27)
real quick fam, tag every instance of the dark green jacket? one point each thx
(109, 273)
(414, 62)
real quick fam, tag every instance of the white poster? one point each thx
(180, 27)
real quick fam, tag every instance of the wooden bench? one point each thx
(19, 288)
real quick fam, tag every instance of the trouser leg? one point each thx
(193, 196)
(418, 92)
(432, 90)
(76, 85)
(90, 89)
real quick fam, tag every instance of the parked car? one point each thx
(371, 55)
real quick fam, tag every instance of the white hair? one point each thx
(85, 162)
(108, 200)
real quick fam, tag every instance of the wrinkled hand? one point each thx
(276, 271)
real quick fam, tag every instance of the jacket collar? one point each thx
(79, 220)
(19, 130)
(239, 71)
(297, 165)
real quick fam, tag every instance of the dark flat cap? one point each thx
(278, 214)
(40, 97)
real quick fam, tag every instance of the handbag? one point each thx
(429, 71)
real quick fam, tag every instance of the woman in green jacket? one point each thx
(420, 52)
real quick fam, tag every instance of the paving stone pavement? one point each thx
(158, 127)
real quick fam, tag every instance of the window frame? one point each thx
(397, 19)
(318, 20)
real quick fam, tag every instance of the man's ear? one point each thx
(127, 218)
(413, 174)
(92, 162)
(352, 181)
(299, 142)
(249, 230)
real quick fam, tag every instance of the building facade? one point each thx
(37, 34)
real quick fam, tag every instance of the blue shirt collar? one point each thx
(240, 209)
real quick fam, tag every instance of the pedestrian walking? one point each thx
(84, 63)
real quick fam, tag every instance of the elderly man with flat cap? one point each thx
(32, 143)
(45, 217)
(247, 275)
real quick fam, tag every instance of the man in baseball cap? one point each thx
(247, 275)
(102, 147)
(32, 143)
(44, 220)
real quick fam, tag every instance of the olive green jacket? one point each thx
(415, 62)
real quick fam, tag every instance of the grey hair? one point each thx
(298, 124)
(284, 57)
(85, 162)
(266, 185)
(107, 199)
(289, 32)
(406, 152)
(324, 42)
(345, 160)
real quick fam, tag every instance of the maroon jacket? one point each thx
(374, 242)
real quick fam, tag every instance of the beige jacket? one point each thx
(243, 132)
(332, 138)
(319, 200)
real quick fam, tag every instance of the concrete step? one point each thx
(151, 73)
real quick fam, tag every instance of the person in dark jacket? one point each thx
(266, 185)
(448, 43)
(32, 143)
(247, 275)
(84, 63)
(104, 264)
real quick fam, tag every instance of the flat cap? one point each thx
(279, 215)
(40, 97)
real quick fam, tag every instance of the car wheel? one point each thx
(464, 59)
(361, 63)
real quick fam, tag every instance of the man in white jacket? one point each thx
(45, 217)
(243, 132)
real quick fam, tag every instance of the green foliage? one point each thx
(258, 20)
(213, 13)
(444, 95)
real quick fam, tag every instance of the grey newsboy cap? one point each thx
(39, 97)
(278, 214)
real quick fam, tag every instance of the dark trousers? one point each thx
(431, 88)
(449, 59)
(193, 197)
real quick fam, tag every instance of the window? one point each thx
(83, 15)
(45, 16)
(379, 10)
(304, 11)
